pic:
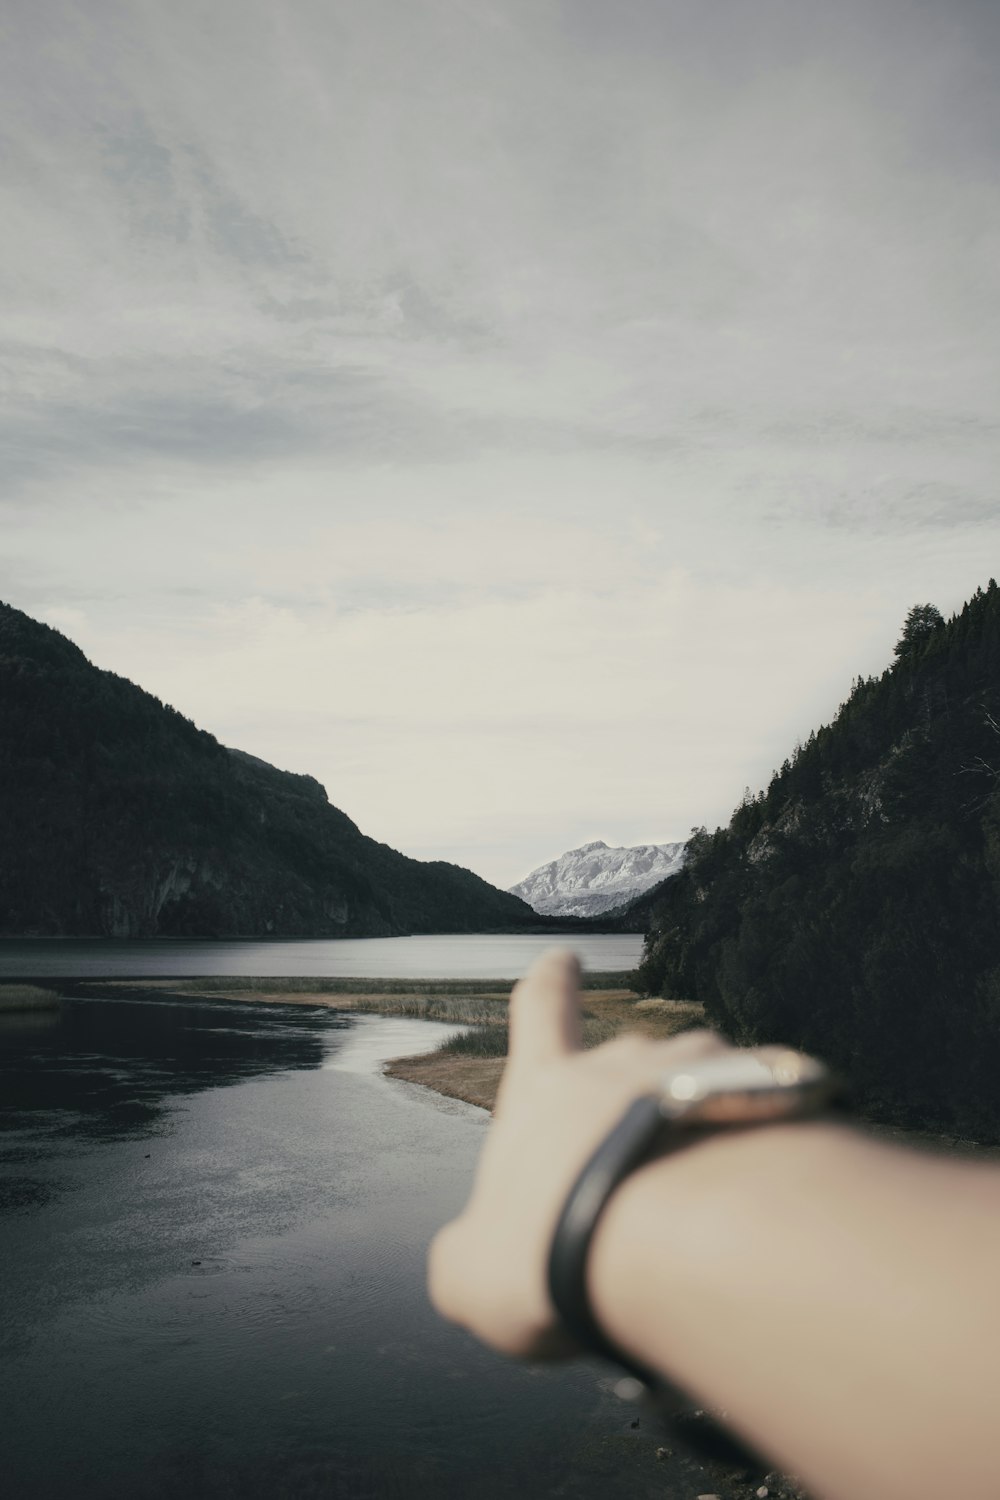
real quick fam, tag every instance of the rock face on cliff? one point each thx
(593, 879)
(118, 817)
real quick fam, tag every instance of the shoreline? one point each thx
(475, 1080)
(607, 1013)
(609, 1007)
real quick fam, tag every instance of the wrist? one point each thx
(681, 1239)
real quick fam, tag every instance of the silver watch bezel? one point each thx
(740, 1087)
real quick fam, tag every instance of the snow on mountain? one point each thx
(586, 881)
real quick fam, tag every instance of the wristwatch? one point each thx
(727, 1089)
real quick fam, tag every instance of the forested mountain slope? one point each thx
(119, 817)
(852, 908)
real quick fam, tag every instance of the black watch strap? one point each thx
(739, 1089)
(638, 1131)
(619, 1153)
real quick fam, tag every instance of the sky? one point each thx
(526, 416)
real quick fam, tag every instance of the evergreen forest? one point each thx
(851, 908)
(120, 818)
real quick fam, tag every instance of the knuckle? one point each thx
(700, 1042)
(624, 1047)
(697, 1036)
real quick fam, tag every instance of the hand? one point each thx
(488, 1268)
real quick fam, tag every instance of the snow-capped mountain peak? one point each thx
(594, 878)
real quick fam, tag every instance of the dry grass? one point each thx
(301, 989)
(474, 1079)
(456, 1009)
(460, 1073)
(470, 1066)
(608, 1012)
(19, 997)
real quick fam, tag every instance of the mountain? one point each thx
(853, 908)
(594, 878)
(118, 817)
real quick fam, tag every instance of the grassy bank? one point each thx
(22, 997)
(303, 989)
(483, 1003)
(468, 1066)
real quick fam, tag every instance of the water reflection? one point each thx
(458, 956)
(25, 1023)
(104, 1069)
(214, 1277)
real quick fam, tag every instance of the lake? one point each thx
(463, 956)
(213, 1227)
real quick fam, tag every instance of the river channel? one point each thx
(213, 1225)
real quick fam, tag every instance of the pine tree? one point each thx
(918, 627)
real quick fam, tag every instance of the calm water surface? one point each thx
(467, 956)
(213, 1223)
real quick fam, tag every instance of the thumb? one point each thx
(545, 1011)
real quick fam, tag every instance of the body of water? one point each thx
(213, 1229)
(464, 956)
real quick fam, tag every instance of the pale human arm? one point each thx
(838, 1297)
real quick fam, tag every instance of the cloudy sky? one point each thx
(527, 416)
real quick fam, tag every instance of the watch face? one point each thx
(741, 1086)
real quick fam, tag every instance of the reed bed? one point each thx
(486, 1041)
(315, 985)
(20, 997)
(667, 1019)
(487, 1011)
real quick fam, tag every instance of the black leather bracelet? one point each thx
(633, 1139)
(629, 1143)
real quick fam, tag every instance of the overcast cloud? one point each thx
(527, 417)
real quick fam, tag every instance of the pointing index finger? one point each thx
(545, 1011)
